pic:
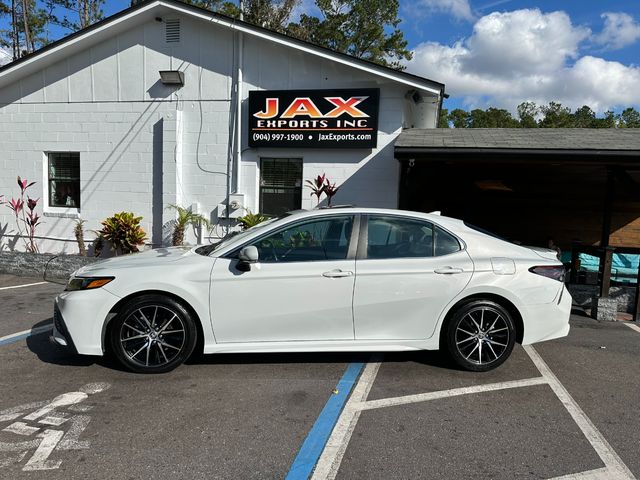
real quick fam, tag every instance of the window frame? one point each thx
(363, 237)
(47, 209)
(351, 247)
(260, 186)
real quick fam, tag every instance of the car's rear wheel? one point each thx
(152, 334)
(480, 335)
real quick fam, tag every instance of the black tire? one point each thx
(152, 334)
(480, 335)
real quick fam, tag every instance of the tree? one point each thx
(460, 118)
(608, 121)
(584, 117)
(443, 119)
(527, 113)
(85, 13)
(629, 118)
(366, 29)
(492, 118)
(556, 116)
(27, 27)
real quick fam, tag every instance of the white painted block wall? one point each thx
(143, 145)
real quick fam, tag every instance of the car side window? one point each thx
(395, 237)
(314, 240)
(445, 243)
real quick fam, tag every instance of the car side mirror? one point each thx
(246, 257)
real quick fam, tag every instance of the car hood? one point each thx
(149, 258)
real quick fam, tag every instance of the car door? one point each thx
(408, 270)
(301, 289)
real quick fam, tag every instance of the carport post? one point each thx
(605, 271)
(636, 303)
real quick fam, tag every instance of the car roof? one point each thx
(432, 217)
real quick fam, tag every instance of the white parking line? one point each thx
(613, 463)
(597, 474)
(454, 392)
(22, 286)
(25, 333)
(633, 326)
(329, 462)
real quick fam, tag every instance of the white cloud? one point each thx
(5, 56)
(620, 30)
(527, 55)
(460, 9)
(306, 7)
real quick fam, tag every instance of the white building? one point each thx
(90, 119)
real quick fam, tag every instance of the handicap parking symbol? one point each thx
(52, 425)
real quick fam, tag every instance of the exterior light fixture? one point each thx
(172, 77)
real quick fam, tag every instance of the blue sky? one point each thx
(502, 52)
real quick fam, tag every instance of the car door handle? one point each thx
(448, 270)
(337, 273)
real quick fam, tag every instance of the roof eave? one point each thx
(408, 79)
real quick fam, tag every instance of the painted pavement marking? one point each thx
(633, 326)
(15, 337)
(454, 392)
(315, 441)
(50, 439)
(616, 469)
(22, 286)
(329, 462)
(597, 474)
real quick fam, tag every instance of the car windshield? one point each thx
(232, 237)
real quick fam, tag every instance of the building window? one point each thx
(280, 185)
(64, 179)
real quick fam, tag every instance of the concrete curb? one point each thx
(34, 264)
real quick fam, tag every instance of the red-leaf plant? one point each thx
(26, 217)
(330, 190)
(317, 186)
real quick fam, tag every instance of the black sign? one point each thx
(314, 118)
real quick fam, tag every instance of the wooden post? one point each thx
(605, 271)
(575, 258)
(608, 207)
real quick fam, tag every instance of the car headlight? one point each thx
(86, 283)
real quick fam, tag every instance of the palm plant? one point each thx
(185, 218)
(78, 231)
(251, 219)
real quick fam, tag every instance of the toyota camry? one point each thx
(326, 280)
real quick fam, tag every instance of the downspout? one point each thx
(238, 183)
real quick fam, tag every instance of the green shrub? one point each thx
(123, 232)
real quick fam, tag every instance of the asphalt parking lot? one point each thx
(562, 409)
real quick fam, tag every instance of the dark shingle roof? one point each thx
(585, 139)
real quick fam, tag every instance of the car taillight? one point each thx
(555, 272)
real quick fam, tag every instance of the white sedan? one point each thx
(327, 280)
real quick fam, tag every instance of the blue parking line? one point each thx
(317, 438)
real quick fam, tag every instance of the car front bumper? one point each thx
(79, 320)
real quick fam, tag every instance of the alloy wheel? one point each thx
(152, 336)
(482, 335)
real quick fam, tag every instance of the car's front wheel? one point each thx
(480, 335)
(152, 334)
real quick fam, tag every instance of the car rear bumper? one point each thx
(547, 321)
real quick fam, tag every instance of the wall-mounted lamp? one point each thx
(172, 77)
